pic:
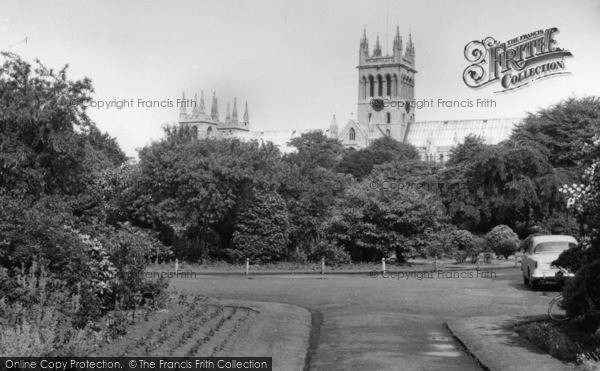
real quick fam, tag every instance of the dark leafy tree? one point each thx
(563, 130)
(48, 144)
(261, 229)
(371, 224)
(360, 163)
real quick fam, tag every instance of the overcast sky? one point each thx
(293, 61)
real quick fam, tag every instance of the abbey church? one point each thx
(385, 77)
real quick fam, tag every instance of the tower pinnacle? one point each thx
(201, 108)
(234, 115)
(246, 117)
(227, 114)
(195, 108)
(377, 50)
(214, 112)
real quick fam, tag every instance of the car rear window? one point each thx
(551, 247)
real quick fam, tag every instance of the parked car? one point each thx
(538, 257)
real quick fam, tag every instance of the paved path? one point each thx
(385, 323)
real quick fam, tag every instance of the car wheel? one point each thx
(525, 281)
(532, 283)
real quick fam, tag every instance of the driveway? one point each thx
(385, 323)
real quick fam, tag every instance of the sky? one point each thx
(294, 62)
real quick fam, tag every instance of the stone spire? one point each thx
(377, 50)
(410, 48)
(183, 108)
(234, 115)
(397, 40)
(195, 110)
(214, 112)
(227, 114)
(201, 108)
(246, 116)
(333, 128)
(363, 52)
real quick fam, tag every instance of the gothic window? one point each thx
(395, 85)
(387, 132)
(388, 85)
(364, 88)
(195, 131)
(371, 86)
(209, 132)
(352, 134)
(379, 86)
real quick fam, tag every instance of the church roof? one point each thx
(450, 133)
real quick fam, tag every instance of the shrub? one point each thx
(130, 249)
(549, 338)
(44, 319)
(582, 293)
(506, 248)
(572, 258)
(334, 255)
(498, 234)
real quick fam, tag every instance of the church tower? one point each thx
(390, 78)
(232, 123)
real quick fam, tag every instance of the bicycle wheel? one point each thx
(555, 310)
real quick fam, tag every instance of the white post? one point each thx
(323, 265)
(247, 266)
(176, 266)
(383, 265)
(478, 263)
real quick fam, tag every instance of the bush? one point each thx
(506, 248)
(572, 258)
(334, 255)
(466, 246)
(130, 250)
(498, 234)
(44, 321)
(549, 338)
(582, 293)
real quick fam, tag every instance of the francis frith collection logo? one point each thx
(516, 62)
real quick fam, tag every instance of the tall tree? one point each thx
(563, 129)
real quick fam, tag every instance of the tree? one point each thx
(310, 187)
(198, 185)
(581, 294)
(563, 130)
(383, 150)
(48, 144)
(261, 231)
(465, 151)
(374, 224)
(503, 184)
(315, 149)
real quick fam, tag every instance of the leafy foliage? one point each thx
(562, 129)
(261, 233)
(498, 234)
(360, 163)
(374, 224)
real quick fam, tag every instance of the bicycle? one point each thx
(555, 308)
